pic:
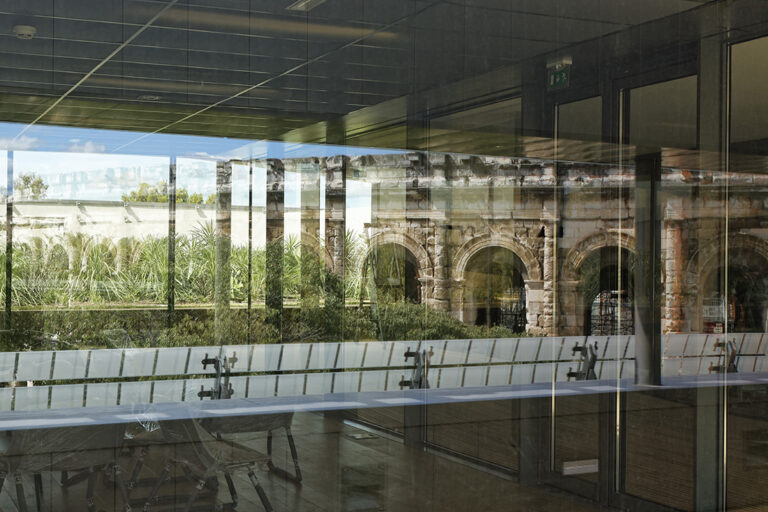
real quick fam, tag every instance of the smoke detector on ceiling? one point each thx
(24, 31)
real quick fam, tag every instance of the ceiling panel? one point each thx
(255, 57)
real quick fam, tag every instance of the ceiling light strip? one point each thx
(304, 5)
(284, 73)
(98, 66)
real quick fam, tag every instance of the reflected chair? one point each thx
(203, 456)
(238, 425)
(33, 452)
(261, 423)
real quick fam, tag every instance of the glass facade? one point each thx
(383, 255)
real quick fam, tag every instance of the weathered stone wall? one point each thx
(455, 205)
(444, 209)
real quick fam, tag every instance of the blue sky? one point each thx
(87, 140)
(81, 163)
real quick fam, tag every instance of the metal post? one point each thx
(711, 402)
(171, 240)
(275, 230)
(9, 241)
(222, 285)
(335, 240)
(648, 288)
(250, 248)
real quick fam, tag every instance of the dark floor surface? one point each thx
(344, 469)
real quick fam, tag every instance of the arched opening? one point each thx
(608, 289)
(58, 259)
(494, 292)
(393, 270)
(746, 298)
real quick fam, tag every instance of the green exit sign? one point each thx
(558, 78)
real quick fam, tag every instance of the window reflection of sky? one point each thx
(79, 163)
(87, 140)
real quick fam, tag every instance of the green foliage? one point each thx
(91, 291)
(408, 321)
(147, 193)
(355, 247)
(158, 193)
(81, 328)
(30, 186)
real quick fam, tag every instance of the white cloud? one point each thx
(87, 147)
(20, 144)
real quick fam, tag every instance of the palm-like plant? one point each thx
(238, 262)
(291, 267)
(150, 268)
(258, 273)
(196, 264)
(354, 251)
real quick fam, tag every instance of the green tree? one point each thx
(211, 199)
(147, 193)
(30, 186)
(182, 196)
(158, 193)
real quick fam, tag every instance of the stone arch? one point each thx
(422, 261)
(424, 267)
(38, 245)
(58, 257)
(706, 262)
(532, 270)
(587, 246)
(494, 289)
(606, 291)
(571, 297)
(473, 246)
(705, 256)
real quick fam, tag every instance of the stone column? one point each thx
(335, 240)
(223, 248)
(570, 302)
(416, 214)
(674, 260)
(311, 251)
(535, 298)
(335, 212)
(457, 298)
(275, 225)
(547, 319)
(442, 250)
(441, 294)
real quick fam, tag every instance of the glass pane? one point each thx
(742, 284)
(664, 114)
(581, 120)
(90, 259)
(748, 103)
(409, 255)
(4, 156)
